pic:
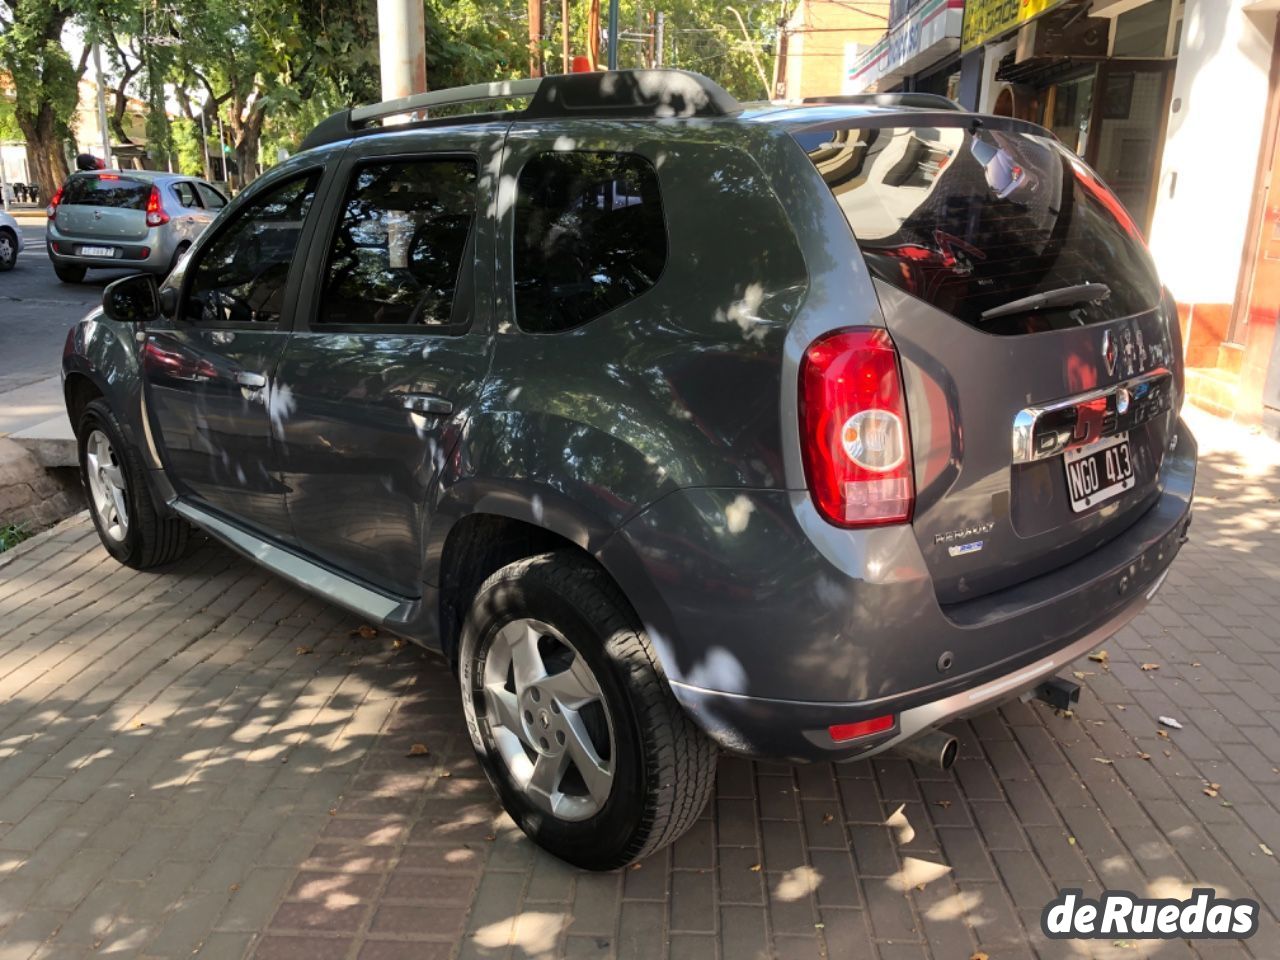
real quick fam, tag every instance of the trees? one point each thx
(45, 81)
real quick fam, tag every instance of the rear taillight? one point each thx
(51, 211)
(156, 217)
(840, 732)
(853, 429)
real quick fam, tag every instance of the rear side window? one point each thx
(106, 190)
(401, 245)
(1006, 231)
(213, 200)
(589, 237)
(186, 194)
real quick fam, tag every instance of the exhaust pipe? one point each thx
(932, 749)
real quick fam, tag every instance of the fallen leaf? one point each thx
(1265, 849)
(819, 926)
(301, 651)
(418, 750)
(233, 888)
(979, 955)
(1171, 722)
(1081, 674)
(1100, 657)
(1195, 663)
(1210, 792)
(944, 804)
(1103, 760)
(828, 818)
(1121, 707)
(1163, 733)
(1071, 841)
(1151, 666)
(755, 868)
(1168, 753)
(364, 632)
(1143, 756)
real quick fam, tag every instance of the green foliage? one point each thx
(189, 154)
(12, 535)
(9, 129)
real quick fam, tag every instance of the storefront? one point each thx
(1099, 74)
(918, 52)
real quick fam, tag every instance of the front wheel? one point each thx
(8, 250)
(572, 718)
(129, 525)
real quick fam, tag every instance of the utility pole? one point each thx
(4, 181)
(102, 105)
(779, 91)
(661, 29)
(564, 36)
(204, 139)
(402, 48)
(535, 38)
(222, 153)
(613, 34)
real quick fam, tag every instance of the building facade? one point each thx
(1177, 104)
(812, 44)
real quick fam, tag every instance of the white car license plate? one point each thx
(1098, 472)
(97, 251)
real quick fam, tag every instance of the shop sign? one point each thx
(987, 19)
(929, 25)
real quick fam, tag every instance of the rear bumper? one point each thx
(869, 624)
(151, 254)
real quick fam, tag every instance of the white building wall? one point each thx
(1210, 158)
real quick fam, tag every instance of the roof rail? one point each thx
(614, 94)
(930, 101)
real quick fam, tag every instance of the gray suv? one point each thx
(675, 424)
(135, 219)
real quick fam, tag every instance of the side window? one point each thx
(402, 246)
(186, 194)
(589, 236)
(240, 277)
(213, 200)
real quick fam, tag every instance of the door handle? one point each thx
(252, 381)
(428, 404)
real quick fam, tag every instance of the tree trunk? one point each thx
(45, 155)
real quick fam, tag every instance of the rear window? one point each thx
(975, 221)
(106, 190)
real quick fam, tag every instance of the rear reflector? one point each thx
(841, 732)
(853, 429)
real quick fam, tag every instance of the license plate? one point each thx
(1098, 472)
(97, 251)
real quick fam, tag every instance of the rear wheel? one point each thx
(129, 525)
(8, 250)
(69, 274)
(572, 718)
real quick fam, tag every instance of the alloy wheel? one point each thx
(106, 486)
(8, 252)
(549, 720)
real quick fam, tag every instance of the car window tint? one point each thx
(589, 237)
(106, 190)
(211, 197)
(401, 245)
(972, 220)
(186, 194)
(240, 277)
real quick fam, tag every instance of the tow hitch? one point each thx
(1058, 692)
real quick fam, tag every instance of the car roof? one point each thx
(156, 176)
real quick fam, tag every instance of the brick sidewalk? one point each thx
(205, 761)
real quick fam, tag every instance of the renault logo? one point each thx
(1109, 352)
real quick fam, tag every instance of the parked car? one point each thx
(133, 219)
(778, 430)
(10, 241)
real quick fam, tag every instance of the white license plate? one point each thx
(1098, 472)
(97, 251)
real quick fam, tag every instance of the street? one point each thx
(36, 309)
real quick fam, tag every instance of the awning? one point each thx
(928, 33)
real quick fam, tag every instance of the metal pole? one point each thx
(204, 139)
(222, 152)
(613, 34)
(564, 35)
(4, 181)
(402, 48)
(102, 105)
(662, 31)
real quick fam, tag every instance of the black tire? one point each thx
(663, 765)
(153, 537)
(8, 249)
(69, 274)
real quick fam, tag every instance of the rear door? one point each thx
(394, 349)
(1037, 350)
(104, 206)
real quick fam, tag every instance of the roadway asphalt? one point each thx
(36, 309)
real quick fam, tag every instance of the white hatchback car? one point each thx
(10, 241)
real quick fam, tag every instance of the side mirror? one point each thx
(132, 300)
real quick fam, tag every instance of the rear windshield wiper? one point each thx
(1062, 297)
